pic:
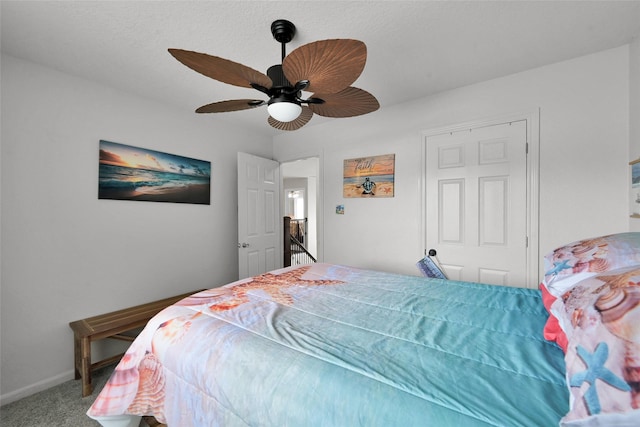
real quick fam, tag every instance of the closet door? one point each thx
(476, 203)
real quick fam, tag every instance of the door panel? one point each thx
(451, 210)
(477, 179)
(494, 277)
(493, 211)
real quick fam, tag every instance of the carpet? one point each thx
(59, 406)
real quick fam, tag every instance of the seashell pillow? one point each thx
(576, 261)
(601, 319)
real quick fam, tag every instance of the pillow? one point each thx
(578, 260)
(571, 263)
(600, 316)
(591, 290)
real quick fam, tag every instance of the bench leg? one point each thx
(85, 366)
(76, 357)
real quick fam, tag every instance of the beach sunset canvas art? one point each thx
(132, 173)
(369, 176)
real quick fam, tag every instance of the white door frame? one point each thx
(532, 118)
(319, 200)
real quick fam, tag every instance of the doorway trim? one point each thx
(532, 118)
(319, 199)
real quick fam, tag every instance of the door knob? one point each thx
(243, 245)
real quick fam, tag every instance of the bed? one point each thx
(332, 345)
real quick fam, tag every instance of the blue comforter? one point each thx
(328, 345)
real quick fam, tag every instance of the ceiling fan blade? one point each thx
(302, 120)
(349, 102)
(233, 105)
(221, 69)
(329, 65)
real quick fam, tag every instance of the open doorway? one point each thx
(300, 198)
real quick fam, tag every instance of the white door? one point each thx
(476, 203)
(259, 236)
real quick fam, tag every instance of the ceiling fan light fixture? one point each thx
(325, 67)
(284, 111)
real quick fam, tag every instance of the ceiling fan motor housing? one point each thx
(284, 103)
(278, 78)
(282, 90)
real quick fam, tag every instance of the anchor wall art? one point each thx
(131, 173)
(369, 176)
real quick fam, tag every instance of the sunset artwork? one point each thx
(369, 176)
(131, 173)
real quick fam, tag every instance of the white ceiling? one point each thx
(415, 48)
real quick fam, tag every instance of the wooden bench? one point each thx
(110, 325)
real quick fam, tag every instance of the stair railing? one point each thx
(294, 251)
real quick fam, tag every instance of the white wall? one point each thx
(584, 115)
(67, 255)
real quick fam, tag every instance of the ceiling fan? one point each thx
(325, 67)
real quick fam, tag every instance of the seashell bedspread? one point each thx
(329, 345)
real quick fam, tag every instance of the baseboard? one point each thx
(36, 387)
